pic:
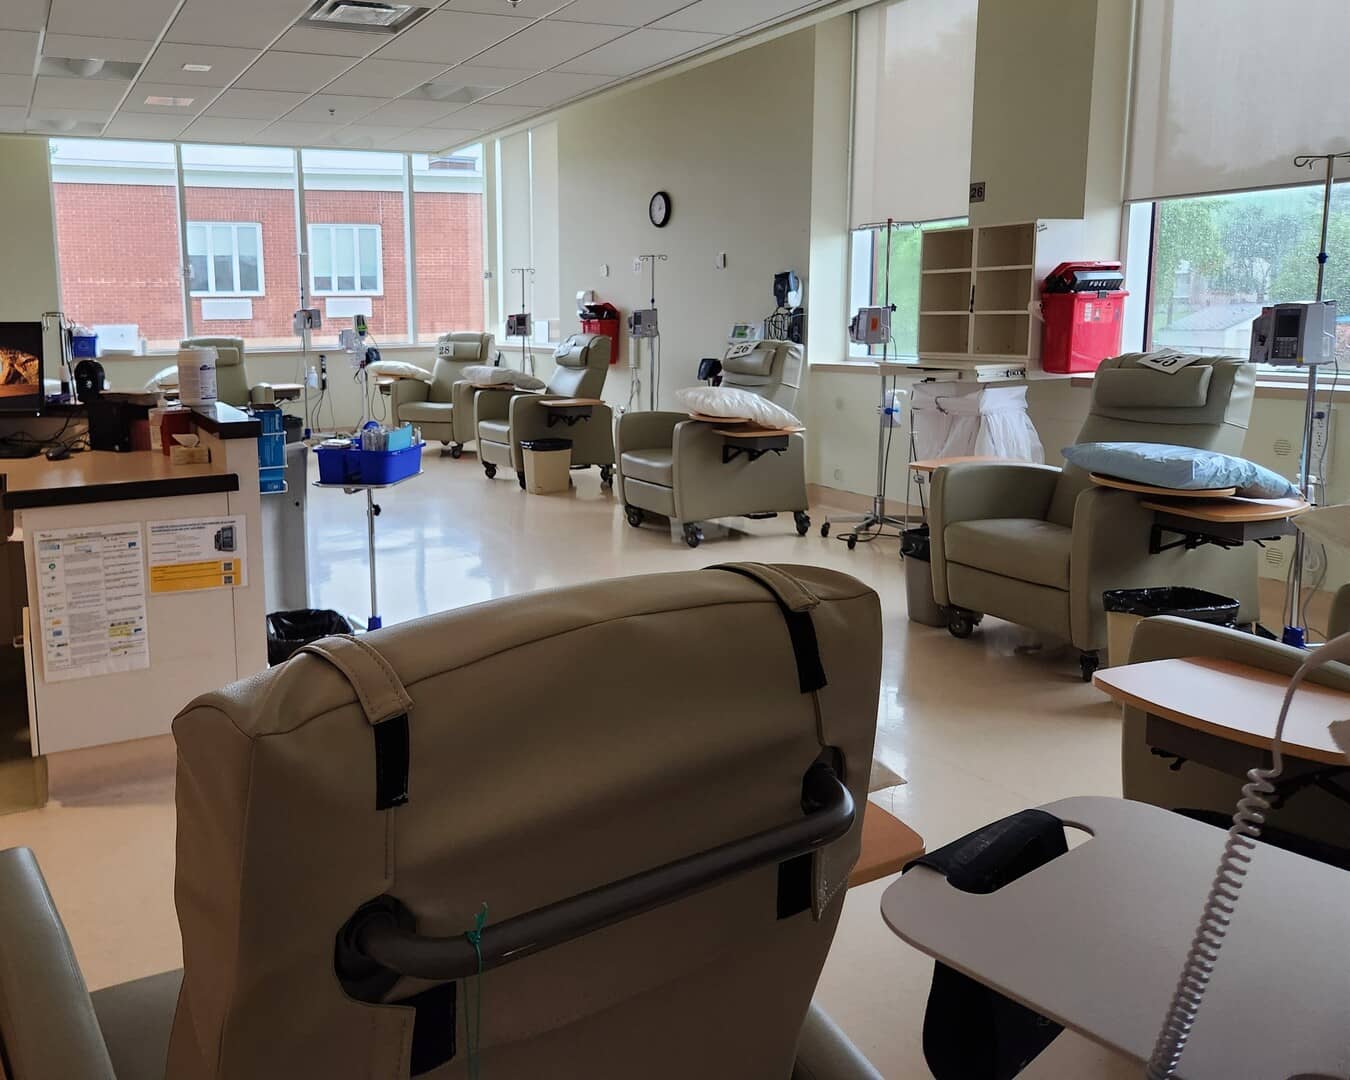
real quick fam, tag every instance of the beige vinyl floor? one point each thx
(980, 728)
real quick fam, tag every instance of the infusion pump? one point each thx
(1295, 335)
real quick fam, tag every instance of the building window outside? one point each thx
(867, 282)
(346, 259)
(1218, 259)
(225, 258)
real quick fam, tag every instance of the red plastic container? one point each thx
(607, 322)
(1083, 321)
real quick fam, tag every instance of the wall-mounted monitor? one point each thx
(21, 368)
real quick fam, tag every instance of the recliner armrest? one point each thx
(408, 391)
(47, 1022)
(977, 492)
(493, 404)
(648, 430)
(1167, 637)
(824, 1052)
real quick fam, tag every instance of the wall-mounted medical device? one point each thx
(871, 326)
(1295, 335)
(744, 331)
(306, 319)
(521, 326)
(643, 324)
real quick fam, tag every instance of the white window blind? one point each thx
(1226, 94)
(914, 102)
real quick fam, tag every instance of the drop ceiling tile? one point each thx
(64, 126)
(144, 126)
(226, 64)
(317, 39)
(386, 79)
(451, 137)
(549, 89)
(13, 118)
(18, 52)
(485, 116)
(77, 93)
(546, 44)
(423, 141)
(621, 12)
(141, 20)
(719, 17)
(222, 129)
(479, 81)
(199, 96)
(23, 15)
(15, 90)
(52, 118)
(276, 70)
(254, 104)
(77, 46)
(294, 133)
(531, 9)
(252, 24)
(367, 136)
(411, 112)
(447, 37)
(330, 110)
(638, 51)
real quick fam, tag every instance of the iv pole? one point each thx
(1294, 632)
(526, 359)
(877, 517)
(654, 351)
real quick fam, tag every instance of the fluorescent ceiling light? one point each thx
(196, 67)
(170, 102)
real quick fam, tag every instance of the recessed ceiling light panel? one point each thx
(364, 16)
(169, 102)
(197, 67)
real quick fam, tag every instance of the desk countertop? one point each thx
(103, 476)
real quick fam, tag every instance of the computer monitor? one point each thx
(21, 387)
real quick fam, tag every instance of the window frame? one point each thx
(212, 293)
(356, 228)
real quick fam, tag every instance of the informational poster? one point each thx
(91, 595)
(197, 553)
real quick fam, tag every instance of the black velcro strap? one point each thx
(392, 752)
(801, 632)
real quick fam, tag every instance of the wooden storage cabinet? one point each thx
(979, 288)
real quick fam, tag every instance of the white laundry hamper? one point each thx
(955, 420)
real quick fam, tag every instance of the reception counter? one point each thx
(145, 583)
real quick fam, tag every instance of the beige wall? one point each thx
(29, 283)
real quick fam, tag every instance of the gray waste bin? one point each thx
(914, 547)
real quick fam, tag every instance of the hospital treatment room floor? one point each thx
(978, 728)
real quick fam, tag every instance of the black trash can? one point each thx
(290, 631)
(923, 608)
(1125, 607)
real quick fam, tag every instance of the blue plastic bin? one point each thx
(352, 466)
(84, 345)
(271, 451)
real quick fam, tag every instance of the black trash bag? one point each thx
(546, 446)
(290, 631)
(1179, 600)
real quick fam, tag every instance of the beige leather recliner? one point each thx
(658, 887)
(1038, 545)
(1312, 812)
(232, 382)
(505, 418)
(675, 467)
(431, 406)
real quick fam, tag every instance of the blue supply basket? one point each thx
(271, 451)
(356, 466)
(84, 346)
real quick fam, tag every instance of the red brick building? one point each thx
(118, 241)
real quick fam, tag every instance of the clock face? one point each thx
(660, 209)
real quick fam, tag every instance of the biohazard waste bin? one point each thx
(603, 319)
(1083, 305)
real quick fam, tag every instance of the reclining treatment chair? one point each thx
(505, 418)
(1037, 545)
(232, 383)
(431, 406)
(674, 466)
(657, 888)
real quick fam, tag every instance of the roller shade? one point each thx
(514, 209)
(1225, 94)
(914, 102)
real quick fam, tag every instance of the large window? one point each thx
(869, 285)
(225, 258)
(345, 259)
(148, 260)
(1217, 259)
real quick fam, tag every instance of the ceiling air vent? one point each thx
(365, 16)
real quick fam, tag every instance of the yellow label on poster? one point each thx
(186, 577)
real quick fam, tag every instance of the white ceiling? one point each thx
(465, 69)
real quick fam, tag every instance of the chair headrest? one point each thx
(1207, 390)
(465, 347)
(229, 350)
(583, 351)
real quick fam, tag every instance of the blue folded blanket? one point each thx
(1182, 467)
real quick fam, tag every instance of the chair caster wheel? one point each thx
(607, 478)
(961, 624)
(491, 470)
(634, 516)
(1088, 663)
(457, 451)
(520, 479)
(853, 541)
(825, 530)
(803, 522)
(693, 535)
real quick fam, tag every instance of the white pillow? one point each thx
(399, 369)
(482, 375)
(730, 404)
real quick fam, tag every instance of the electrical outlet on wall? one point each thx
(1323, 422)
(604, 270)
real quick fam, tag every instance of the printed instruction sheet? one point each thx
(197, 553)
(91, 594)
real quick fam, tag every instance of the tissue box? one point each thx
(189, 455)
